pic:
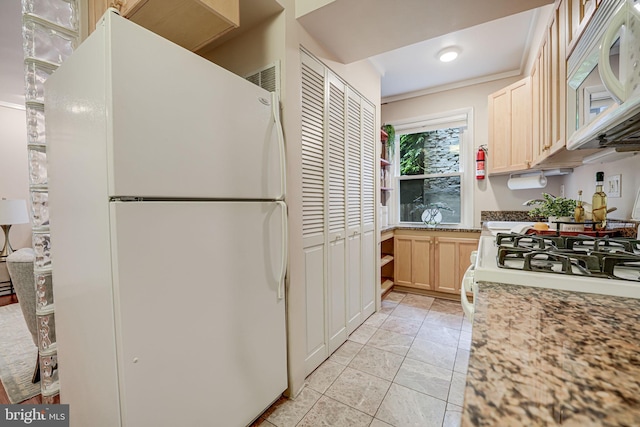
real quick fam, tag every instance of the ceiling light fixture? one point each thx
(448, 54)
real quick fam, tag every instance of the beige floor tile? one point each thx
(359, 390)
(456, 392)
(465, 340)
(462, 361)
(446, 306)
(405, 407)
(377, 423)
(362, 334)
(418, 301)
(452, 419)
(401, 325)
(425, 378)
(329, 412)
(439, 333)
(377, 362)
(376, 319)
(453, 321)
(324, 375)
(466, 324)
(395, 296)
(288, 412)
(391, 341)
(346, 352)
(434, 353)
(409, 312)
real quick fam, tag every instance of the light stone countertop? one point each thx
(544, 357)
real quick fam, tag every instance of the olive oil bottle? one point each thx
(578, 213)
(599, 203)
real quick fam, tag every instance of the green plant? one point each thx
(553, 206)
(391, 141)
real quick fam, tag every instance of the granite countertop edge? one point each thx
(551, 357)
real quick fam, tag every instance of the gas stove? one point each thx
(602, 265)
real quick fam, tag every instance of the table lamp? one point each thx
(11, 212)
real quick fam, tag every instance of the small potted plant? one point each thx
(554, 208)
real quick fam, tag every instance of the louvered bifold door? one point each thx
(335, 131)
(369, 241)
(354, 211)
(313, 208)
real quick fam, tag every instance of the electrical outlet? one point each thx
(612, 185)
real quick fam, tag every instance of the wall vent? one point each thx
(267, 78)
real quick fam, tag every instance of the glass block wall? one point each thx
(50, 33)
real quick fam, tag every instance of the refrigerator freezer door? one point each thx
(200, 329)
(177, 125)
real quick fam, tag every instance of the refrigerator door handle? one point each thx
(285, 248)
(275, 108)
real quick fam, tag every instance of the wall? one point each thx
(491, 193)
(14, 175)
(584, 178)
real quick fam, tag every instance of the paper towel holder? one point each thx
(538, 179)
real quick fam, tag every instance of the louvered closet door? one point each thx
(335, 132)
(313, 209)
(369, 241)
(354, 211)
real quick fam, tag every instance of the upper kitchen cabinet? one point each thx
(510, 128)
(579, 12)
(193, 24)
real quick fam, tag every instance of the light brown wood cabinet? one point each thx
(412, 257)
(510, 128)
(432, 261)
(192, 24)
(579, 12)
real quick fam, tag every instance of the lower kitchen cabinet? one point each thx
(432, 261)
(413, 261)
(452, 258)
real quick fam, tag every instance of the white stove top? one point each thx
(487, 270)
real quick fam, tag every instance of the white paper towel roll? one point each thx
(524, 182)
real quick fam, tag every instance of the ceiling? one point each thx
(494, 40)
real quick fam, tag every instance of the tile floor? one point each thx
(405, 366)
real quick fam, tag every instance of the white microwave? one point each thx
(603, 80)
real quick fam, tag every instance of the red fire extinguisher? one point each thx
(480, 169)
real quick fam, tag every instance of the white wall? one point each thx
(14, 175)
(584, 178)
(489, 194)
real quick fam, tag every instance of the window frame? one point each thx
(462, 118)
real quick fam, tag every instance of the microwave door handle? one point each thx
(610, 81)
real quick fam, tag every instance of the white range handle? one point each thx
(275, 109)
(285, 248)
(467, 285)
(609, 79)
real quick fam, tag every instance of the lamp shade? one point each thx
(13, 212)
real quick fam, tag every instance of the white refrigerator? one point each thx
(169, 235)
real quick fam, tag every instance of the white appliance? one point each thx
(168, 225)
(487, 269)
(603, 93)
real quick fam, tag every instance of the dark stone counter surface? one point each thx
(425, 228)
(544, 357)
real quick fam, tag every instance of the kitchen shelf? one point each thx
(386, 285)
(386, 259)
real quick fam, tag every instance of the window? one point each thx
(430, 160)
